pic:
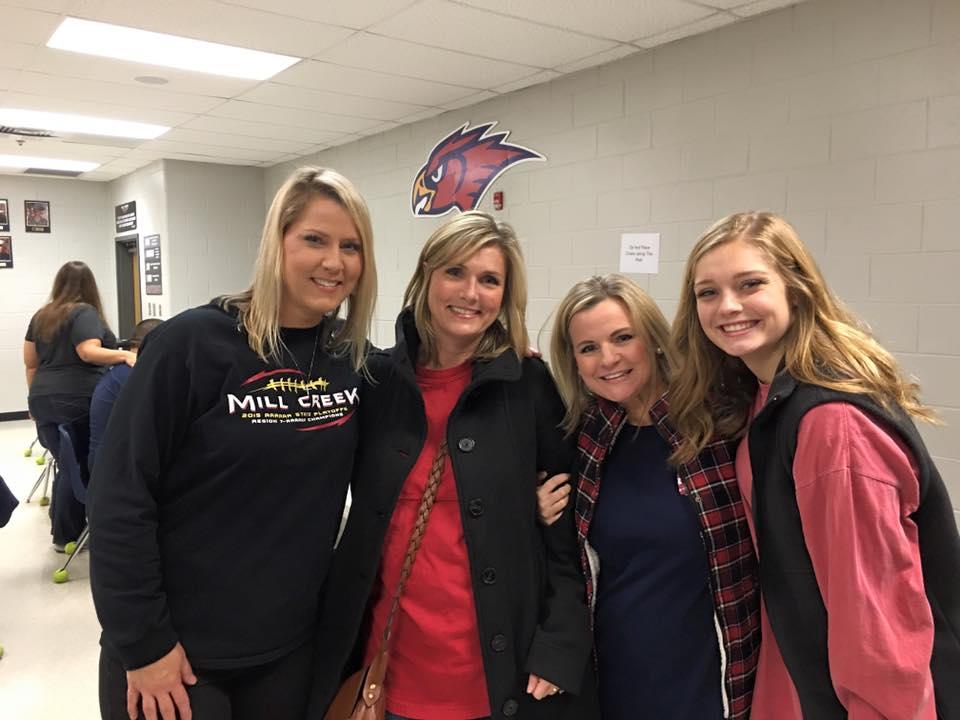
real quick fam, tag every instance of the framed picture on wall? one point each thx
(36, 216)
(4, 215)
(6, 252)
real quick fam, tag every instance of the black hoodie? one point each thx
(218, 492)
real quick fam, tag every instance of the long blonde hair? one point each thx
(646, 319)
(259, 307)
(453, 242)
(825, 345)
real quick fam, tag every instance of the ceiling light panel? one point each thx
(60, 122)
(150, 48)
(22, 162)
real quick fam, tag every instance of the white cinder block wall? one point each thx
(214, 217)
(147, 188)
(842, 114)
(80, 227)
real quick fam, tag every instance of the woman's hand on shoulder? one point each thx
(541, 687)
(552, 497)
(130, 358)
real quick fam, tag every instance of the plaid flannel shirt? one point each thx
(711, 482)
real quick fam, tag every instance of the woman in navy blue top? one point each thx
(665, 547)
(654, 582)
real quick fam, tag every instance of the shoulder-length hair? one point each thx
(73, 285)
(259, 307)
(825, 345)
(646, 320)
(452, 243)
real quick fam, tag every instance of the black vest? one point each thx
(794, 604)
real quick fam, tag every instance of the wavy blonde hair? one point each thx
(259, 307)
(454, 242)
(825, 345)
(646, 319)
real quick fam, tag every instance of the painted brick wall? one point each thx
(214, 217)
(842, 114)
(80, 229)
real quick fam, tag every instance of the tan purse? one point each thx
(361, 695)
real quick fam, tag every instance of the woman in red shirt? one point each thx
(493, 620)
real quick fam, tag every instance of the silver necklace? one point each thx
(309, 375)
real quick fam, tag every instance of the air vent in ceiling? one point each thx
(25, 132)
(53, 173)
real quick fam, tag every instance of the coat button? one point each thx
(489, 576)
(475, 507)
(466, 444)
(498, 642)
(510, 708)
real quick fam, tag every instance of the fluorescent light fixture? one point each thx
(151, 48)
(60, 122)
(23, 162)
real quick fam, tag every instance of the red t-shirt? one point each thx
(856, 488)
(436, 668)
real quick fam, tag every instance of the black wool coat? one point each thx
(527, 582)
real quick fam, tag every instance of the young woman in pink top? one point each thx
(855, 534)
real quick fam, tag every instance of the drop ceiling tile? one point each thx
(382, 128)
(722, 4)
(614, 19)
(621, 51)
(200, 157)
(56, 148)
(528, 81)
(168, 147)
(7, 79)
(112, 93)
(423, 115)
(14, 54)
(100, 175)
(356, 15)
(761, 6)
(367, 83)
(31, 26)
(139, 155)
(470, 100)
(208, 123)
(236, 141)
(695, 28)
(373, 52)
(96, 109)
(207, 20)
(68, 64)
(52, 6)
(336, 103)
(296, 117)
(123, 165)
(441, 24)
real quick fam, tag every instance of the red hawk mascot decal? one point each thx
(462, 166)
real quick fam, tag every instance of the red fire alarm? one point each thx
(498, 200)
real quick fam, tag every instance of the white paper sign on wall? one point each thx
(640, 253)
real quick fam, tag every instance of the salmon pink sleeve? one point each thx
(857, 485)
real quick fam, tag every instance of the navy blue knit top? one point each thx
(655, 635)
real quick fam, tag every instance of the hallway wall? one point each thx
(842, 114)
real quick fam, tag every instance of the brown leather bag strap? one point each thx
(416, 537)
